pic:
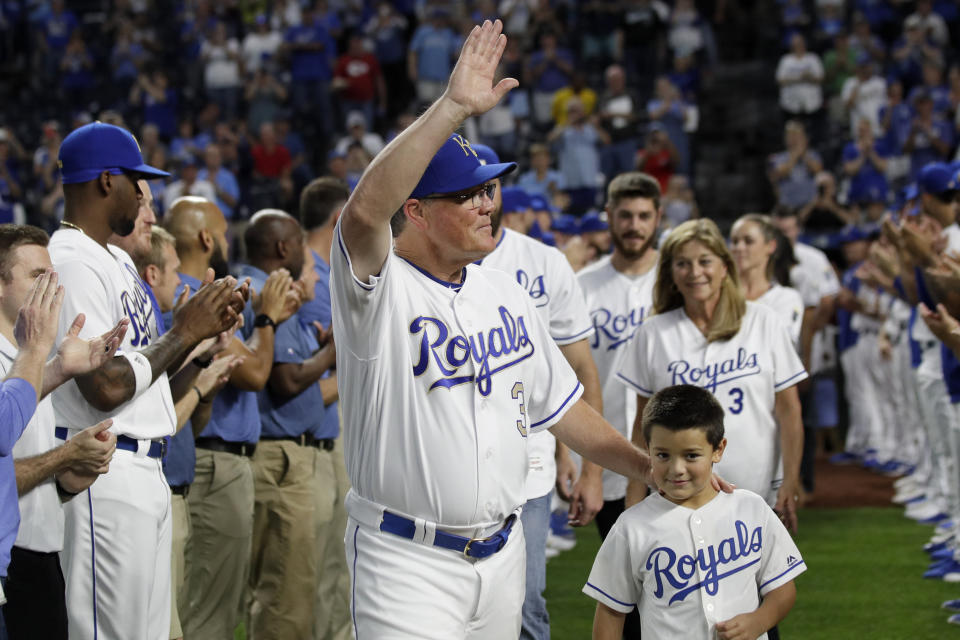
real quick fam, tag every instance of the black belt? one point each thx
(304, 440)
(224, 446)
(180, 490)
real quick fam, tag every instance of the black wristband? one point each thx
(263, 320)
(63, 493)
(202, 364)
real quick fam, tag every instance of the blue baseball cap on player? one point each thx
(594, 221)
(539, 203)
(456, 166)
(97, 147)
(937, 178)
(487, 155)
(565, 223)
(515, 200)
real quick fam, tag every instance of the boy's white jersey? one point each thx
(744, 373)
(618, 304)
(103, 284)
(552, 285)
(688, 569)
(440, 384)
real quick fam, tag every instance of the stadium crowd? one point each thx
(257, 110)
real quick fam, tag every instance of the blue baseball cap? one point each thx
(852, 233)
(936, 178)
(539, 203)
(97, 147)
(455, 167)
(487, 155)
(565, 223)
(911, 192)
(515, 200)
(594, 221)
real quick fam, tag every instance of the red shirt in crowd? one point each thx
(272, 163)
(361, 73)
(659, 165)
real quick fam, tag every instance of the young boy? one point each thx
(690, 558)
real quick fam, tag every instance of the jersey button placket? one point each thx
(696, 531)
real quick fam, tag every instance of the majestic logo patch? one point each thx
(491, 350)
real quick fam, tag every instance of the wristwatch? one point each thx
(263, 320)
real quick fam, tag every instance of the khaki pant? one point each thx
(332, 608)
(181, 533)
(283, 571)
(218, 552)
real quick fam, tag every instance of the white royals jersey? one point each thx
(104, 286)
(552, 285)
(744, 373)
(688, 569)
(788, 304)
(440, 385)
(931, 365)
(41, 516)
(618, 305)
(813, 275)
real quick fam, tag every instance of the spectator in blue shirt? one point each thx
(431, 54)
(312, 52)
(388, 29)
(548, 70)
(930, 138)
(578, 151)
(159, 101)
(224, 182)
(896, 118)
(541, 179)
(935, 87)
(865, 163)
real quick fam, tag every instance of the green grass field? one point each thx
(863, 581)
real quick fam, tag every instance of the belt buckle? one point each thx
(466, 547)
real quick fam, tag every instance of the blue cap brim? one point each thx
(473, 178)
(86, 175)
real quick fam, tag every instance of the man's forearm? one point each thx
(586, 432)
(329, 389)
(33, 470)
(115, 383)
(290, 379)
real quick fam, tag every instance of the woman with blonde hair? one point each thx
(704, 332)
(764, 257)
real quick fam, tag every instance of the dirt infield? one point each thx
(839, 486)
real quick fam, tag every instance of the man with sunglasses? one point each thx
(116, 558)
(445, 368)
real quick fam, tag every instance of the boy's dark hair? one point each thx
(320, 199)
(684, 406)
(17, 235)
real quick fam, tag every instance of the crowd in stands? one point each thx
(248, 101)
(869, 93)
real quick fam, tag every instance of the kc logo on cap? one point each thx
(455, 167)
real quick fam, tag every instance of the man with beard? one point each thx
(619, 293)
(547, 277)
(118, 586)
(221, 496)
(288, 482)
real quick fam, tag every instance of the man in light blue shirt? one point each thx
(224, 182)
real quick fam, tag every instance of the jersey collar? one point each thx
(454, 286)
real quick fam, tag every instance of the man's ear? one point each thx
(105, 182)
(206, 240)
(151, 275)
(416, 213)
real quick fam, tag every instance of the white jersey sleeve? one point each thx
(788, 304)
(633, 368)
(615, 579)
(781, 561)
(788, 369)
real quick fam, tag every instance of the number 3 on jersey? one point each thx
(517, 394)
(737, 395)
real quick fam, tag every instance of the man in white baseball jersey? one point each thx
(550, 282)
(690, 559)
(619, 292)
(117, 540)
(35, 606)
(446, 368)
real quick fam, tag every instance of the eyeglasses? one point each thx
(475, 198)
